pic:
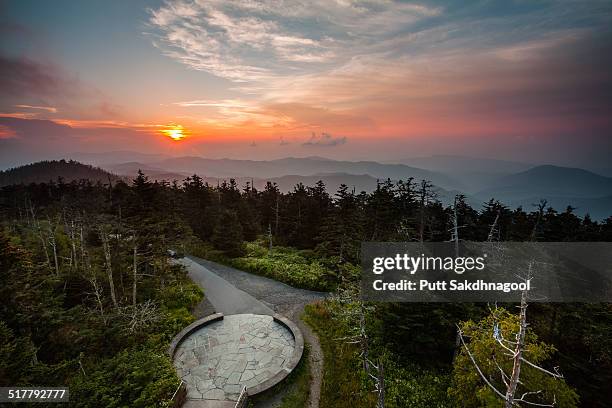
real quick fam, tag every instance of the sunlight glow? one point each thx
(174, 132)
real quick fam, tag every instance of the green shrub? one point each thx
(134, 378)
(286, 265)
(415, 387)
(180, 295)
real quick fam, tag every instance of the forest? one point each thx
(91, 297)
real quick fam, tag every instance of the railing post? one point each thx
(179, 396)
(242, 399)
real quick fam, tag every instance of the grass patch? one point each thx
(342, 376)
(299, 380)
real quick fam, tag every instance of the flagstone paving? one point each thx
(217, 360)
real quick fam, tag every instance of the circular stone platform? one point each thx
(219, 356)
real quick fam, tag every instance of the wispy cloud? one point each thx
(325, 140)
(41, 89)
(6, 132)
(242, 40)
(221, 103)
(23, 77)
(225, 113)
(50, 109)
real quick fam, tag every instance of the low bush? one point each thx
(286, 265)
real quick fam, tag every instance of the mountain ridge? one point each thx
(52, 170)
(300, 166)
(554, 181)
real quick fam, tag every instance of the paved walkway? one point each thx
(274, 294)
(225, 297)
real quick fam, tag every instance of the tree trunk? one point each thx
(135, 267)
(276, 225)
(270, 237)
(422, 218)
(493, 229)
(82, 247)
(456, 228)
(381, 385)
(109, 268)
(365, 348)
(518, 354)
(40, 236)
(73, 245)
(54, 247)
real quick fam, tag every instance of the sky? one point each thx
(378, 80)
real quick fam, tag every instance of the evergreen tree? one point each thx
(342, 232)
(227, 235)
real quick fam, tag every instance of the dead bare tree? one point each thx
(541, 207)
(134, 269)
(82, 242)
(455, 227)
(140, 315)
(109, 268)
(454, 230)
(90, 275)
(356, 318)
(72, 223)
(270, 237)
(97, 292)
(514, 349)
(379, 383)
(36, 225)
(53, 243)
(276, 216)
(73, 244)
(494, 230)
(425, 195)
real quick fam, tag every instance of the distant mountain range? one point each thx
(588, 192)
(46, 171)
(474, 172)
(130, 169)
(553, 181)
(116, 157)
(447, 163)
(298, 166)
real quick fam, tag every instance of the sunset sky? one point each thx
(380, 80)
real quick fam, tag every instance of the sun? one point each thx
(174, 132)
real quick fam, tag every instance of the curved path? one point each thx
(231, 291)
(224, 297)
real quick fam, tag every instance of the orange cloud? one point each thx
(6, 132)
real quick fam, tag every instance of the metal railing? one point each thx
(242, 399)
(180, 395)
